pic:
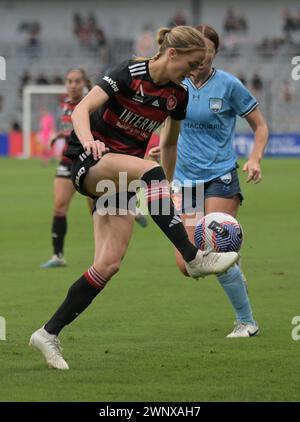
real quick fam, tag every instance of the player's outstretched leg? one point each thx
(206, 263)
(79, 297)
(162, 210)
(49, 345)
(112, 236)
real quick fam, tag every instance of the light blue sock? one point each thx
(232, 282)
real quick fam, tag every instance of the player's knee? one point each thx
(108, 268)
(60, 208)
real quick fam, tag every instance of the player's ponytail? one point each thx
(183, 38)
(162, 33)
(211, 34)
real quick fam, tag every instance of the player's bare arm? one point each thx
(261, 133)
(81, 121)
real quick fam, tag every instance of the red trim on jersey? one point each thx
(154, 142)
(119, 146)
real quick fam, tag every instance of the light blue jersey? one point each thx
(205, 149)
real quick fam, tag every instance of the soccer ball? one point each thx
(219, 232)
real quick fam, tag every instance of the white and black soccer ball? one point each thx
(219, 232)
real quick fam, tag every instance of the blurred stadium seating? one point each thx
(264, 48)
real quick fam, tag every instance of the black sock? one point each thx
(59, 230)
(79, 297)
(162, 210)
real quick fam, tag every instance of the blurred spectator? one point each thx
(290, 22)
(256, 84)
(243, 24)
(42, 79)
(100, 38)
(177, 19)
(291, 27)
(231, 23)
(77, 23)
(57, 80)
(100, 45)
(32, 31)
(269, 46)
(234, 28)
(25, 79)
(229, 44)
(287, 94)
(15, 126)
(92, 22)
(1, 103)
(242, 78)
(33, 34)
(84, 35)
(88, 32)
(145, 44)
(234, 23)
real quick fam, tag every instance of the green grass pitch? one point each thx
(152, 335)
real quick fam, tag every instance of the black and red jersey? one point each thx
(135, 109)
(66, 108)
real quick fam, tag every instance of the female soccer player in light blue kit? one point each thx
(205, 153)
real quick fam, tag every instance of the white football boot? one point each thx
(244, 330)
(54, 262)
(207, 262)
(49, 346)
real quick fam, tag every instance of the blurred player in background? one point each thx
(113, 125)
(45, 134)
(205, 153)
(76, 83)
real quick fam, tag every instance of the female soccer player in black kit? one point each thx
(63, 189)
(76, 82)
(113, 125)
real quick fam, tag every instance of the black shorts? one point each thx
(106, 204)
(64, 170)
(79, 169)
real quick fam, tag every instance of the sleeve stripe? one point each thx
(250, 109)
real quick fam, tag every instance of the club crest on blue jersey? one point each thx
(227, 178)
(215, 104)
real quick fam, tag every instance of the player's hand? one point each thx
(97, 148)
(154, 153)
(252, 167)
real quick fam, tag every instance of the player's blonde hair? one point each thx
(184, 39)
